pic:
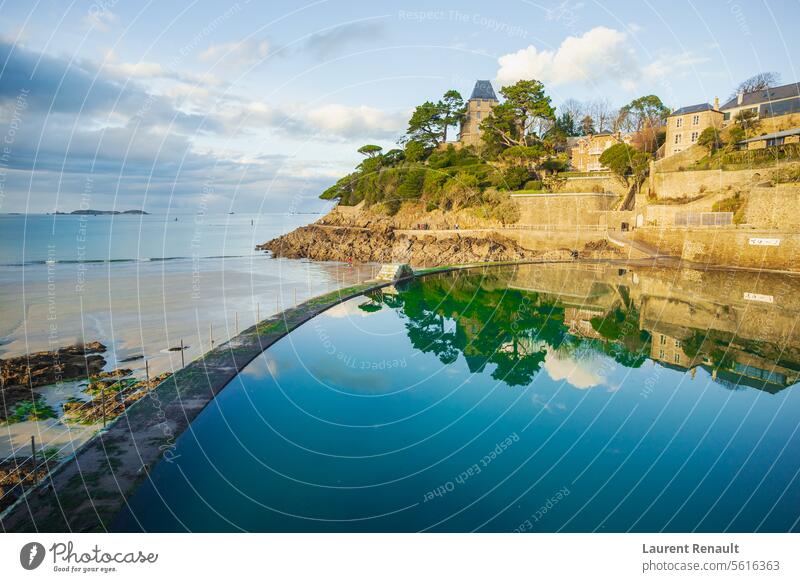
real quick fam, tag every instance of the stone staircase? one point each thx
(394, 272)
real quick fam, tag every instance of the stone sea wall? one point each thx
(750, 248)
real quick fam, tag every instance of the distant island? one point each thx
(93, 212)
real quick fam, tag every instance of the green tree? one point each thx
(526, 156)
(566, 124)
(425, 125)
(415, 151)
(522, 119)
(709, 138)
(735, 135)
(747, 119)
(370, 150)
(646, 111)
(452, 110)
(429, 122)
(629, 164)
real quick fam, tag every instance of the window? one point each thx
(661, 354)
(479, 114)
(677, 358)
(677, 343)
(696, 120)
(694, 136)
(679, 122)
(726, 116)
(678, 138)
(663, 340)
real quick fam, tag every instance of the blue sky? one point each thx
(256, 106)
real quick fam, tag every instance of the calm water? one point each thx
(141, 285)
(37, 238)
(526, 399)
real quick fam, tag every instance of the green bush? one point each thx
(412, 183)
(533, 185)
(514, 177)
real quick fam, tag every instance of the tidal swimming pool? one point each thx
(534, 398)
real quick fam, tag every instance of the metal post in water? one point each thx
(147, 371)
(33, 454)
(103, 400)
(183, 361)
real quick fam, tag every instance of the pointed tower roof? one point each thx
(483, 90)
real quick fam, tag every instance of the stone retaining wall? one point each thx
(749, 248)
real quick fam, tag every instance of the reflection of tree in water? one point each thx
(485, 321)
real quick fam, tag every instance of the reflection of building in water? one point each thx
(738, 368)
(668, 349)
(579, 321)
(681, 318)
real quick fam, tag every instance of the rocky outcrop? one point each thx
(328, 243)
(42, 368)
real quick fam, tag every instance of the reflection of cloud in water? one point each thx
(262, 367)
(581, 373)
(349, 309)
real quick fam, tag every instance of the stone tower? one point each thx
(480, 104)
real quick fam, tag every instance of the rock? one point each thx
(320, 243)
(42, 368)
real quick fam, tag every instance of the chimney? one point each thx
(716, 103)
(739, 98)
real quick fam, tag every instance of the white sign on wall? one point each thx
(759, 297)
(765, 242)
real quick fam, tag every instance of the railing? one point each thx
(703, 219)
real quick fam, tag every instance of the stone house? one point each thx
(777, 108)
(586, 151)
(685, 125)
(777, 138)
(479, 106)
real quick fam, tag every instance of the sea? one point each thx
(143, 284)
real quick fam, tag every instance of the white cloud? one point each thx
(672, 65)
(331, 121)
(100, 18)
(238, 54)
(360, 121)
(599, 52)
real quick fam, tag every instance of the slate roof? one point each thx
(777, 134)
(483, 90)
(692, 109)
(765, 96)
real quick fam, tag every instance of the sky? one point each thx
(259, 106)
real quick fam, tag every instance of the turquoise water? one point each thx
(516, 399)
(36, 238)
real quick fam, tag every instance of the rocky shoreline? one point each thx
(346, 244)
(19, 375)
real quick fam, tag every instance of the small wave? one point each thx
(141, 260)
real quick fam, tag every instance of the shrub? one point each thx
(514, 177)
(412, 184)
(533, 185)
(500, 206)
(460, 191)
(735, 204)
